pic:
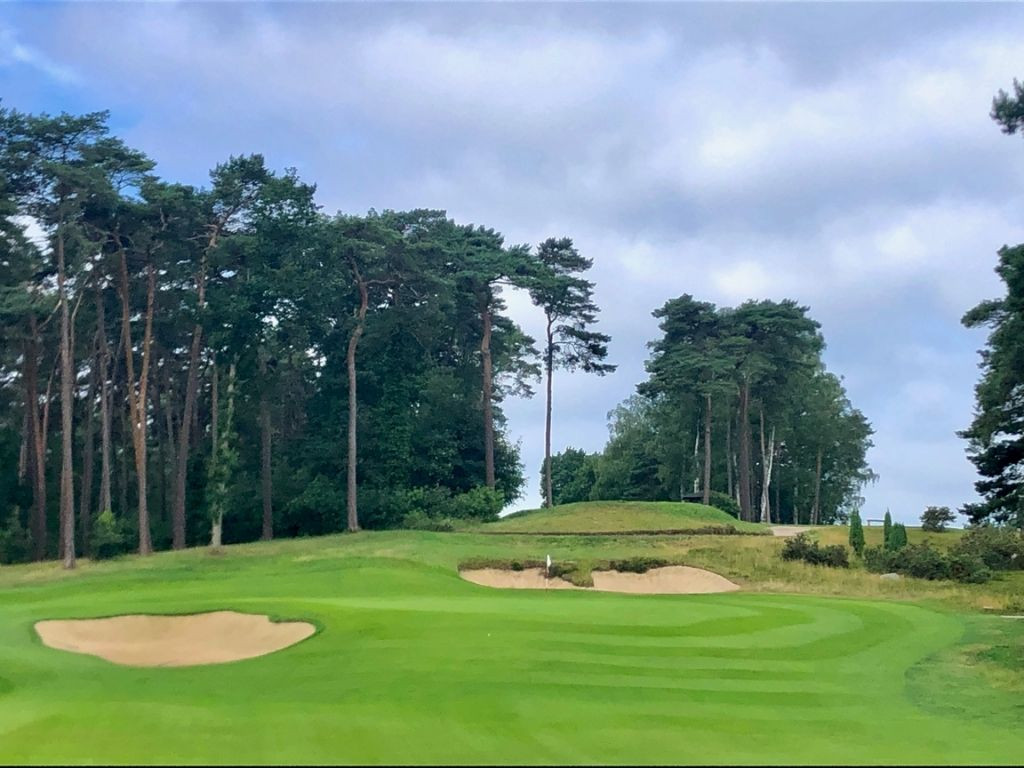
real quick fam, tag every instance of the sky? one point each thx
(838, 154)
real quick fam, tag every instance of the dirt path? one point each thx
(787, 530)
(174, 641)
(671, 580)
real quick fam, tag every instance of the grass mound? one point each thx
(649, 517)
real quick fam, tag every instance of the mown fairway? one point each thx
(412, 664)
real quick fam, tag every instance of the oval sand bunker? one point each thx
(670, 580)
(174, 641)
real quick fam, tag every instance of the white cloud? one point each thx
(875, 189)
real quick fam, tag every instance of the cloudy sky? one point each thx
(840, 155)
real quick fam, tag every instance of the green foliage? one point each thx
(317, 510)
(480, 503)
(922, 561)
(886, 529)
(724, 502)
(856, 533)
(935, 519)
(419, 520)
(803, 547)
(15, 544)
(109, 538)
(897, 538)
(633, 564)
(573, 474)
(1001, 548)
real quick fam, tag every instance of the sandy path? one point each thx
(788, 530)
(174, 641)
(671, 580)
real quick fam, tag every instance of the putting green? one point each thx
(413, 664)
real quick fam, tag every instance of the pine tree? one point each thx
(856, 533)
(887, 529)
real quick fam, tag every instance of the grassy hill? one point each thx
(620, 516)
(411, 664)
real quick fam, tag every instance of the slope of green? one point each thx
(619, 516)
(414, 665)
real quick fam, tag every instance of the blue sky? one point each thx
(837, 154)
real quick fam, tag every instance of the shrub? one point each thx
(15, 545)
(935, 519)
(924, 562)
(897, 538)
(856, 533)
(886, 529)
(108, 536)
(879, 560)
(802, 547)
(634, 564)
(967, 568)
(480, 503)
(724, 502)
(999, 548)
(418, 521)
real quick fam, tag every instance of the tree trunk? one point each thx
(778, 491)
(707, 449)
(353, 403)
(728, 456)
(85, 496)
(816, 507)
(267, 481)
(796, 497)
(137, 393)
(744, 459)
(487, 392)
(188, 413)
(67, 482)
(696, 453)
(767, 460)
(549, 364)
(37, 446)
(104, 350)
(219, 455)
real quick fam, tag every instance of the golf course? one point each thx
(410, 663)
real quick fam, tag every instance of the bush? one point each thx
(417, 520)
(935, 519)
(108, 536)
(724, 502)
(15, 546)
(856, 533)
(480, 503)
(924, 562)
(886, 529)
(1001, 549)
(897, 538)
(802, 547)
(633, 565)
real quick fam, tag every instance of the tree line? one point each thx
(739, 411)
(230, 363)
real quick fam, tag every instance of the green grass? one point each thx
(414, 665)
(618, 517)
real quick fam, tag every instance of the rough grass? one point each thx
(414, 665)
(622, 517)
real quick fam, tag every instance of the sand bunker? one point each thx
(671, 580)
(174, 641)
